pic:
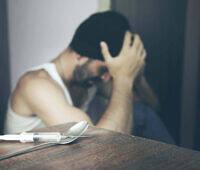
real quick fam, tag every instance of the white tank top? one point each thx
(16, 123)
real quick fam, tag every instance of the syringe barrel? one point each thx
(40, 137)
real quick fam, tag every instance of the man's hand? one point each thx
(130, 60)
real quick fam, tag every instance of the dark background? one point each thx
(170, 31)
(4, 62)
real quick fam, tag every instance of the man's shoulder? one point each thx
(35, 81)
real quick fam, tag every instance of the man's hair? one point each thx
(107, 26)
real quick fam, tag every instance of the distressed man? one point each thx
(103, 54)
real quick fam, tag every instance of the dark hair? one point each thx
(107, 26)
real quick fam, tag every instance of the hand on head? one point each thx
(130, 59)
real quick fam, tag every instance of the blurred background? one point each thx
(35, 31)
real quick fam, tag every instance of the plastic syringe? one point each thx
(34, 137)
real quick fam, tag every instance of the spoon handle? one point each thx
(30, 149)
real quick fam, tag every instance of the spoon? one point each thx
(74, 132)
(69, 136)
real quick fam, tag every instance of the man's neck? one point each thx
(65, 69)
(63, 65)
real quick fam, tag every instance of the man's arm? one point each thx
(119, 114)
(47, 100)
(124, 69)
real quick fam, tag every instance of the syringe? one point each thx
(34, 137)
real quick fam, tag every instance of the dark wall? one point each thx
(191, 76)
(4, 62)
(197, 118)
(161, 24)
(197, 131)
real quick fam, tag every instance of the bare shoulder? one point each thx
(35, 83)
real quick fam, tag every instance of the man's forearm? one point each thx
(119, 114)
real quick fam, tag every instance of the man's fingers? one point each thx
(136, 42)
(127, 40)
(143, 54)
(140, 48)
(105, 51)
(141, 62)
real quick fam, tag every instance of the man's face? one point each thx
(95, 72)
(89, 73)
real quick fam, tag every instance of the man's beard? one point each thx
(82, 76)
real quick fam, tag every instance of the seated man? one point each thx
(102, 50)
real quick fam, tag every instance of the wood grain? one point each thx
(103, 150)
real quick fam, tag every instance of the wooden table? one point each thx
(103, 150)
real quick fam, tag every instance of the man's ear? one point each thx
(105, 77)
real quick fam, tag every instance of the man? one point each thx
(103, 50)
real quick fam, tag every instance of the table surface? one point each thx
(102, 150)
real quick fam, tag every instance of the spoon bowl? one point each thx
(74, 132)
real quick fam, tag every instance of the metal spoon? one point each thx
(74, 132)
(70, 135)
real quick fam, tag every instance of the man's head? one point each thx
(104, 26)
(109, 27)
